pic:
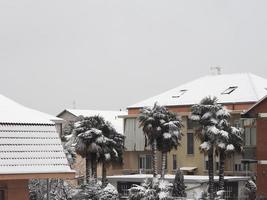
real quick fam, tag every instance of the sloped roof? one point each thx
(31, 149)
(13, 112)
(242, 87)
(29, 143)
(111, 116)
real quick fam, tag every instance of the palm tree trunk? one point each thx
(104, 174)
(221, 170)
(211, 173)
(154, 157)
(94, 166)
(163, 164)
(87, 169)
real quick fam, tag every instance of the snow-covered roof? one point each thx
(111, 116)
(30, 149)
(228, 88)
(13, 112)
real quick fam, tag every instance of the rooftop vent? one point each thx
(180, 94)
(229, 90)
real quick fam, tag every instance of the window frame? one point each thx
(229, 90)
(188, 146)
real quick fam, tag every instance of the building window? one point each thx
(174, 162)
(190, 143)
(238, 167)
(2, 194)
(229, 90)
(250, 136)
(192, 124)
(145, 162)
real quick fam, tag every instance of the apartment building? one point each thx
(238, 92)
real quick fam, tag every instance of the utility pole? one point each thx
(48, 188)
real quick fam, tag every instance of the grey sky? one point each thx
(110, 54)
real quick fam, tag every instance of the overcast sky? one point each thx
(111, 54)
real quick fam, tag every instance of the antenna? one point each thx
(216, 70)
(74, 104)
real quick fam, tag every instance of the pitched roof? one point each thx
(13, 112)
(31, 149)
(29, 142)
(111, 116)
(228, 88)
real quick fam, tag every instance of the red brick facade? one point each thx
(261, 148)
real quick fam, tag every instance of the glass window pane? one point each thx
(253, 136)
(148, 162)
(190, 143)
(174, 162)
(247, 136)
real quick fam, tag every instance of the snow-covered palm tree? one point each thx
(112, 149)
(205, 113)
(230, 142)
(169, 138)
(88, 142)
(162, 130)
(151, 119)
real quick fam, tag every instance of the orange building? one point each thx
(238, 92)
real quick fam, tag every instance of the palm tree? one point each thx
(162, 130)
(205, 114)
(230, 141)
(112, 149)
(170, 137)
(88, 142)
(151, 119)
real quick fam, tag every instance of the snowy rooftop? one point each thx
(111, 116)
(187, 178)
(31, 149)
(13, 112)
(228, 88)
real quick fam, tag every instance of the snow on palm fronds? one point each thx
(205, 146)
(109, 193)
(151, 189)
(251, 188)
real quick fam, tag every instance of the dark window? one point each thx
(174, 162)
(192, 124)
(250, 136)
(190, 143)
(145, 162)
(229, 90)
(2, 194)
(238, 167)
(179, 94)
(123, 188)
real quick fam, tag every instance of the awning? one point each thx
(189, 169)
